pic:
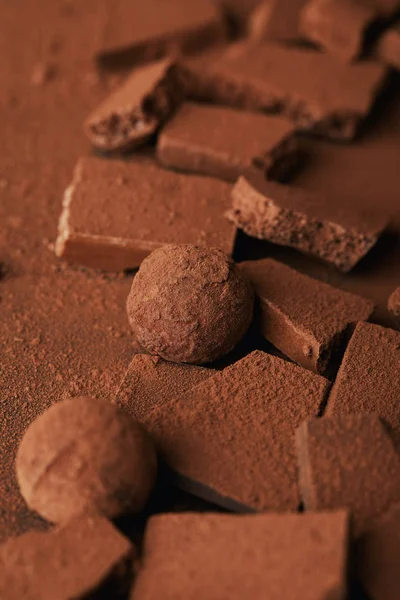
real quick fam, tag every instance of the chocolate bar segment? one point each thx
(231, 557)
(226, 143)
(308, 320)
(116, 212)
(311, 223)
(276, 20)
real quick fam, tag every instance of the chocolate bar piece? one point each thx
(348, 461)
(225, 143)
(134, 111)
(368, 378)
(338, 26)
(311, 223)
(88, 557)
(389, 47)
(308, 320)
(394, 304)
(231, 557)
(276, 20)
(115, 213)
(377, 557)
(150, 382)
(315, 90)
(231, 438)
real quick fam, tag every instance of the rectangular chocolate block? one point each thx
(308, 320)
(116, 212)
(276, 20)
(318, 92)
(369, 376)
(388, 49)
(309, 222)
(226, 143)
(231, 438)
(150, 382)
(348, 461)
(87, 557)
(230, 557)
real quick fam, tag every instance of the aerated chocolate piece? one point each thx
(308, 320)
(394, 304)
(133, 112)
(389, 47)
(348, 461)
(87, 558)
(309, 222)
(377, 557)
(189, 304)
(84, 454)
(338, 26)
(225, 143)
(231, 438)
(315, 90)
(231, 557)
(150, 382)
(115, 213)
(369, 376)
(276, 20)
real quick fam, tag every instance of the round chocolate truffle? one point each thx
(189, 304)
(85, 454)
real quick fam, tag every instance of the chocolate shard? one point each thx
(226, 143)
(220, 556)
(150, 382)
(276, 20)
(368, 378)
(388, 48)
(308, 320)
(88, 557)
(348, 461)
(316, 91)
(311, 223)
(116, 212)
(134, 111)
(200, 433)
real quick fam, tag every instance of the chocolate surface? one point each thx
(389, 47)
(223, 557)
(312, 338)
(394, 303)
(276, 20)
(116, 212)
(225, 143)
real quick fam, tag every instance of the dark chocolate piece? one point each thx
(85, 454)
(348, 461)
(311, 223)
(226, 143)
(369, 376)
(388, 49)
(234, 433)
(308, 320)
(115, 213)
(134, 111)
(150, 382)
(231, 557)
(189, 304)
(87, 558)
(276, 20)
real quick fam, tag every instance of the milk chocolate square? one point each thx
(225, 143)
(308, 320)
(116, 212)
(276, 20)
(230, 557)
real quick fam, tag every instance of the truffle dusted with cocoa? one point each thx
(83, 454)
(189, 304)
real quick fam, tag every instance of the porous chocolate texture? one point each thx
(150, 382)
(84, 454)
(348, 461)
(260, 399)
(227, 557)
(308, 320)
(116, 212)
(368, 378)
(189, 304)
(225, 143)
(134, 111)
(309, 222)
(87, 558)
(276, 20)
(388, 48)
(318, 92)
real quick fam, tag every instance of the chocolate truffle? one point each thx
(85, 454)
(189, 304)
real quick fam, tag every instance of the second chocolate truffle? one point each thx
(189, 304)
